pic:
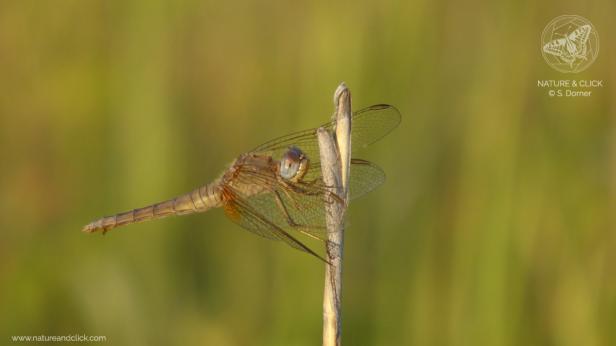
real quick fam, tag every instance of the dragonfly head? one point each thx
(293, 165)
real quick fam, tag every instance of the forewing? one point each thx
(365, 177)
(373, 123)
(368, 126)
(243, 213)
(299, 207)
(293, 207)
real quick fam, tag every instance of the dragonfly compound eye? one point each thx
(293, 164)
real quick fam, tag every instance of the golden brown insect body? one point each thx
(199, 200)
(277, 189)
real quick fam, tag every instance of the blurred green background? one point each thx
(496, 225)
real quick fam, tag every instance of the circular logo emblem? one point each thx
(570, 43)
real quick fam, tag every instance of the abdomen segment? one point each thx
(197, 201)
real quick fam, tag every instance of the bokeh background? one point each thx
(496, 225)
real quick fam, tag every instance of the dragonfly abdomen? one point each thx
(199, 200)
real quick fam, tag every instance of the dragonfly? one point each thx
(277, 190)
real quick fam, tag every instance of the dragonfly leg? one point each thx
(295, 203)
(299, 189)
(319, 191)
(300, 228)
(316, 183)
(333, 197)
(310, 182)
(320, 186)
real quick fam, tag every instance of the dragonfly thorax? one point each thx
(293, 165)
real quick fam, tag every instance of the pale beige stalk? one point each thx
(335, 164)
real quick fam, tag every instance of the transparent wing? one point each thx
(373, 123)
(296, 208)
(262, 213)
(256, 200)
(250, 219)
(368, 126)
(365, 177)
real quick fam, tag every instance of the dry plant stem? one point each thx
(335, 161)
